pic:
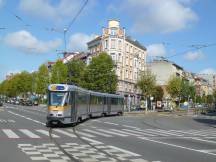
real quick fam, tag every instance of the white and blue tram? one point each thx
(68, 104)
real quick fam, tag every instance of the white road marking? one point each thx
(98, 133)
(111, 123)
(92, 141)
(84, 134)
(130, 126)
(155, 133)
(29, 133)
(64, 132)
(109, 132)
(123, 132)
(165, 132)
(210, 150)
(195, 132)
(203, 140)
(125, 151)
(10, 133)
(46, 133)
(36, 121)
(178, 146)
(139, 132)
(11, 121)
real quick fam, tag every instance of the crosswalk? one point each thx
(106, 133)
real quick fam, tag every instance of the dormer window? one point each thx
(113, 31)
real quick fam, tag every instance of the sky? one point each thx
(32, 31)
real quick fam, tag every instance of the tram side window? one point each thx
(81, 98)
(120, 101)
(71, 98)
(100, 100)
(97, 100)
(114, 101)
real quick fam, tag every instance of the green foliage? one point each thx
(42, 79)
(158, 94)
(59, 73)
(187, 90)
(174, 87)
(209, 99)
(100, 74)
(19, 84)
(198, 99)
(147, 84)
(214, 95)
(76, 70)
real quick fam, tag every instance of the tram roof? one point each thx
(69, 87)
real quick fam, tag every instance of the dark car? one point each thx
(29, 103)
(1, 103)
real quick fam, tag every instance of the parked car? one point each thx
(29, 103)
(1, 103)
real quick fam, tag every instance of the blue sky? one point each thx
(165, 27)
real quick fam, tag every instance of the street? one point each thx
(152, 138)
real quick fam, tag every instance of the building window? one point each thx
(113, 31)
(119, 44)
(126, 74)
(106, 44)
(113, 43)
(135, 62)
(119, 57)
(113, 56)
(127, 47)
(127, 60)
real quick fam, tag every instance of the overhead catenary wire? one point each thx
(193, 47)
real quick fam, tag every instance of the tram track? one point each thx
(72, 158)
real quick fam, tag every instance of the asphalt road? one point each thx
(149, 138)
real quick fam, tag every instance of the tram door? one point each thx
(108, 105)
(73, 106)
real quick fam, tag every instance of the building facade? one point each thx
(128, 54)
(164, 70)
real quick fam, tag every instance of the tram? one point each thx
(69, 104)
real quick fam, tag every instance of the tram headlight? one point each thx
(56, 113)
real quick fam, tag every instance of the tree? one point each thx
(158, 94)
(100, 74)
(42, 79)
(209, 99)
(187, 90)
(174, 87)
(198, 99)
(214, 95)
(76, 70)
(59, 73)
(147, 85)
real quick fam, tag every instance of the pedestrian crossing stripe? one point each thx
(94, 133)
(7, 121)
(81, 152)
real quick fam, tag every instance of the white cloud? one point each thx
(77, 41)
(26, 42)
(161, 16)
(156, 50)
(52, 10)
(193, 56)
(208, 71)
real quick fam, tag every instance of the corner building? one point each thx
(129, 57)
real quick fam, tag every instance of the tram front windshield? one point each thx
(57, 98)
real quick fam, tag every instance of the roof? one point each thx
(68, 87)
(135, 42)
(165, 60)
(96, 39)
